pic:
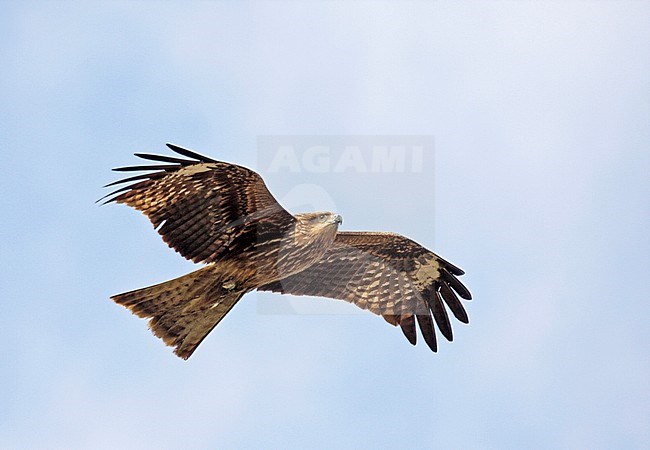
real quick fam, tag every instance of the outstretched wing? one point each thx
(389, 275)
(198, 205)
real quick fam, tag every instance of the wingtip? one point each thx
(455, 284)
(106, 199)
(407, 324)
(189, 153)
(428, 331)
(174, 147)
(166, 167)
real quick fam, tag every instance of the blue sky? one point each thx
(540, 113)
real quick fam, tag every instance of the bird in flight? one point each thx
(222, 215)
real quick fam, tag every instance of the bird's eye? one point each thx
(321, 217)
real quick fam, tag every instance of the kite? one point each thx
(222, 215)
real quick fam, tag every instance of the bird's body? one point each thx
(223, 215)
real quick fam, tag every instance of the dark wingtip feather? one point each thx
(166, 167)
(126, 180)
(428, 332)
(449, 266)
(108, 200)
(455, 284)
(454, 304)
(407, 323)
(189, 153)
(117, 191)
(163, 158)
(122, 189)
(100, 200)
(441, 317)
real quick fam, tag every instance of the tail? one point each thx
(183, 311)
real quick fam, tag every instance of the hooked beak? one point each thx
(338, 219)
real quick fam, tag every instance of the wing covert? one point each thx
(199, 206)
(389, 275)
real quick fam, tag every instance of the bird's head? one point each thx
(321, 224)
(322, 218)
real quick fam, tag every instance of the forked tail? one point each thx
(183, 311)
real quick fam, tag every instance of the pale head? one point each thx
(321, 226)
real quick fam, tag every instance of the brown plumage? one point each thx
(223, 215)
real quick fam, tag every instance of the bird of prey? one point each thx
(222, 215)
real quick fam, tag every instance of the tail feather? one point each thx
(183, 311)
